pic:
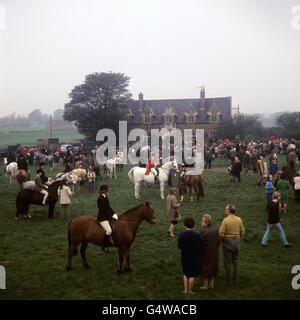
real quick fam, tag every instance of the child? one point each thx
(64, 192)
(269, 190)
(273, 169)
(191, 245)
(172, 212)
(91, 176)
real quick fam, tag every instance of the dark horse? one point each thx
(191, 181)
(290, 174)
(85, 229)
(27, 197)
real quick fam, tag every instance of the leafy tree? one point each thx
(98, 103)
(241, 126)
(289, 123)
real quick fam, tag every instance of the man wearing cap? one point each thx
(105, 214)
(230, 232)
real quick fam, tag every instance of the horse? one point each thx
(191, 181)
(111, 167)
(291, 174)
(79, 175)
(11, 170)
(26, 197)
(22, 176)
(85, 229)
(137, 175)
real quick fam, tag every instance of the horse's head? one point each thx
(149, 213)
(175, 166)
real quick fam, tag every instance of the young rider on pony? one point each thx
(40, 186)
(105, 214)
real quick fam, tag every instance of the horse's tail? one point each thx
(130, 175)
(69, 238)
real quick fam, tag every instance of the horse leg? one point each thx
(121, 256)
(72, 252)
(127, 252)
(191, 193)
(136, 190)
(84, 245)
(162, 189)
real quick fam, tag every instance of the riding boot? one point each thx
(106, 243)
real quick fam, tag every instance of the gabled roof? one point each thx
(180, 107)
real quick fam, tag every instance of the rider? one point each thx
(40, 186)
(104, 215)
(43, 175)
(152, 165)
(23, 164)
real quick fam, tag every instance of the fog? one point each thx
(245, 49)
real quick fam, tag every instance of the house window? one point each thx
(147, 119)
(214, 117)
(168, 119)
(191, 119)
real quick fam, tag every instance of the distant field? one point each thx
(27, 136)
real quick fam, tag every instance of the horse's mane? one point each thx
(135, 208)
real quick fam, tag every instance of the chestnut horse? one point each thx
(290, 174)
(22, 176)
(85, 229)
(191, 181)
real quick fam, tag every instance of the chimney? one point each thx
(202, 98)
(141, 102)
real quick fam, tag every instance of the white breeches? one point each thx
(106, 226)
(45, 193)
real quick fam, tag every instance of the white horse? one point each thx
(137, 175)
(11, 170)
(111, 167)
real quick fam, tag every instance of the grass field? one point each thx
(34, 252)
(28, 136)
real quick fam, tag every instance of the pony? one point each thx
(11, 170)
(191, 181)
(79, 175)
(111, 167)
(85, 229)
(22, 176)
(137, 176)
(26, 197)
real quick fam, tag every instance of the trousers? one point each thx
(231, 252)
(106, 226)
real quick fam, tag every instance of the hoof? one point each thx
(16, 219)
(128, 270)
(68, 268)
(86, 266)
(119, 271)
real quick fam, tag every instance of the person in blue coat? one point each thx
(191, 245)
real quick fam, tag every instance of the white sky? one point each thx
(245, 49)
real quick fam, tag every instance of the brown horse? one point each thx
(85, 229)
(290, 174)
(191, 181)
(22, 176)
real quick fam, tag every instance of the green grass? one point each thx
(35, 251)
(28, 136)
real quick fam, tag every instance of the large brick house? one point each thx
(202, 113)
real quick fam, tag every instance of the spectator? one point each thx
(91, 178)
(230, 232)
(261, 170)
(282, 187)
(297, 188)
(172, 211)
(274, 221)
(210, 259)
(273, 169)
(191, 245)
(64, 192)
(269, 190)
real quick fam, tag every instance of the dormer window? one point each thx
(147, 120)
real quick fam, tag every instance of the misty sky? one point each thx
(245, 49)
